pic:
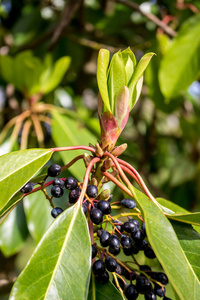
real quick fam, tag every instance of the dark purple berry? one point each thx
(119, 225)
(110, 198)
(143, 285)
(162, 278)
(27, 188)
(142, 245)
(131, 292)
(92, 191)
(136, 222)
(103, 278)
(119, 269)
(99, 232)
(145, 268)
(98, 267)
(74, 195)
(130, 227)
(59, 182)
(166, 298)
(114, 242)
(160, 291)
(56, 211)
(126, 241)
(54, 170)
(96, 216)
(104, 239)
(104, 206)
(57, 191)
(85, 206)
(149, 253)
(71, 183)
(138, 236)
(150, 296)
(128, 203)
(111, 264)
(94, 251)
(114, 251)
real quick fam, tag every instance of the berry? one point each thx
(59, 182)
(92, 191)
(143, 285)
(138, 236)
(143, 227)
(160, 291)
(111, 264)
(120, 282)
(98, 267)
(131, 292)
(119, 269)
(99, 232)
(149, 253)
(54, 170)
(71, 183)
(162, 278)
(114, 242)
(126, 241)
(142, 245)
(104, 239)
(27, 188)
(166, 298)
(74, 195)
(145, 268)
(103, 278)
(104, 206)
(85, 206)
(128, 203)
(96, 216)
(94, 251)
(114, 251)
(150, 296)
(136, 222)
(57, 191)
(56, 211)
(119, 225)
(110, 198)
(130, 227)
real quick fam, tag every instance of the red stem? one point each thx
(118, 183)
(73, 148)
(127, 170)
(72, 162)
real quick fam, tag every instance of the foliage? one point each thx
(48, 99)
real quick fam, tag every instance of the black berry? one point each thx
(130, 227)
(136, 222)
(148, 252)
(71, 183)
(145, 268)
(59, 182)
(104, 206)
(110, 198)
(142, 245)
(120, 282)
(54, 170)
(111, 264)
(143, 285)
(162, 278)
(160, 291)
(57, 191)
(96, 216)
(114, 242)
(104, 239)
(118, 225)
(103, 278)
(138, 236)
(128, 203)
(56, 211)
(94, 251)
(92, 191)
(131, 292)
(166, 298)
(150, 296)
(85, 206)
(98, 267)
(74, 195)
(99, 232)
(27, 188)
(114, 251)
(119, 269)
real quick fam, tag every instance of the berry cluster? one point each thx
(128, 236)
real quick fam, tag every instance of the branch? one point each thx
(68, 13)
(149, 16)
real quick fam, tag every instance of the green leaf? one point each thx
(38, 214)
(172, 206)
(102, 69)
(16, 169)
(13, 232)
(168, 250)
(10, 205)
(59, 69)
(68, 132)
(6, 70)
(140, 68)
(190, 243)
(60, 266)
(116, 78)
(129, 61)
(192, 218)
(103, 292)
(181, 64)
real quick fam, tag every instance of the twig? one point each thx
(68, 13)
(149, 16)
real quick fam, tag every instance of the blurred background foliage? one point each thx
(48, 96)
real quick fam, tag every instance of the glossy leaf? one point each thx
(180, 66)
(38, 214)
(190, 243)
(103, 292)
(10, 205)
(192, 218)
(17, 168)
(13, 232)
(60, 265)
(68, 132)
(102, 69)
(168, 250)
